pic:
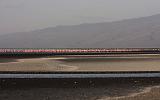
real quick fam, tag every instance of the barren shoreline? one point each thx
(82, 64)
(80, 89)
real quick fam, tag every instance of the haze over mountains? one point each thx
(138, 32)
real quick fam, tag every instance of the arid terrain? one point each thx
(104, 64)
(81, 89)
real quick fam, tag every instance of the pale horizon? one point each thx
(28, 15)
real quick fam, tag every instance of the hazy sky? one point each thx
(26, 15)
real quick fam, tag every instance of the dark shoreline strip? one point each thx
(113, 75)
(79, 72)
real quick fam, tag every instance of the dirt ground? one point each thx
(77, 89)
(81, 64)
(80, 89)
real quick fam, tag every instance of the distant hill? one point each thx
(138, 32)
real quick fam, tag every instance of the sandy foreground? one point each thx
(81, 64)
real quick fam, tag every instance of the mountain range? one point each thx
(129, 33)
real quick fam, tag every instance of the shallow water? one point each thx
(5, 60)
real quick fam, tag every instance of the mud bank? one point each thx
(80, 89)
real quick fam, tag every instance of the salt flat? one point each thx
(80, 64)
